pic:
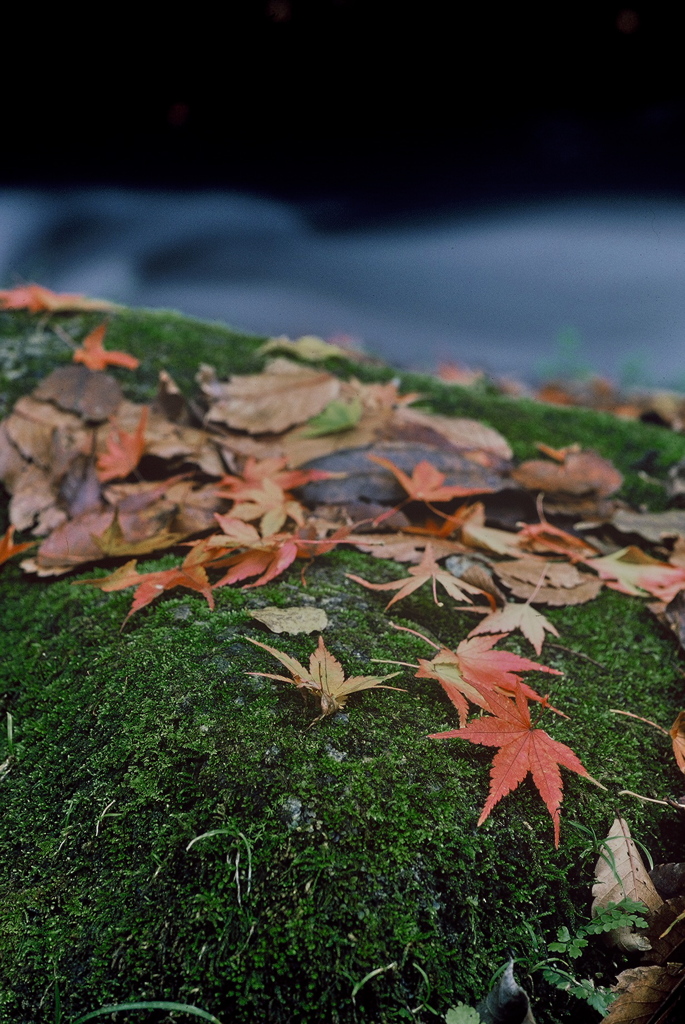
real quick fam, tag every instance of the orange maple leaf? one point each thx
(8, 549)
(426, 482)
(266, 557)
(529, 620)
(270, 504)
(124, 451)
(428, 569)
(191, 574)
(545, 537)
(325, 677)
(37, 299)
(255, 471)
(93, 355)
(523, 749)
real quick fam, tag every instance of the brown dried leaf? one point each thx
(620, 873)
(641, 992)
(677, 734)
(33, 494)
(74, 388)
(563, 584)
(463, 434)
(170, 441)
(284, 395)
(46, 435)
(291, 620)
(12, 465)
(667, 933)
(652, 526)
(582, 473)
(169, 401)
(669, 879)
(404, 547)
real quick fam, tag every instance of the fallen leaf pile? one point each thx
(260, 470)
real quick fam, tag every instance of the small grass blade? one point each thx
(154, 1005)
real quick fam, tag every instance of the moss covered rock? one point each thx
(172, 829)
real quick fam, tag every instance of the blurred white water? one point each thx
(494, 289)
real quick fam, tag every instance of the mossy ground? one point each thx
(337, 850)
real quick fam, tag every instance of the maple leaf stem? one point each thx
(391, 512)
(647, 799)
(389, 661)
(538, 584)
(648, 721)
(406, 629)
(63, 336)
(578, 654)
(436, 511)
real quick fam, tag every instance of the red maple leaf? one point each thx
(93, 355)
(8, 549)
(37, 299)
(476, 673)
(124, 451)
(481, 665)
(426, 482)
(523, 749)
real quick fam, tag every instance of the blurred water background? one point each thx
(496, 185)
(535, 290)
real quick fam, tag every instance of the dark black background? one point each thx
(392, 106)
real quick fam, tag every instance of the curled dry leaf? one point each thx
(476, 534)
(506, 1002)
(543, 537)
(293, 620)
(486, 445)
(284, 395)
(620, 873)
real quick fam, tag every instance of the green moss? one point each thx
(336, 850)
